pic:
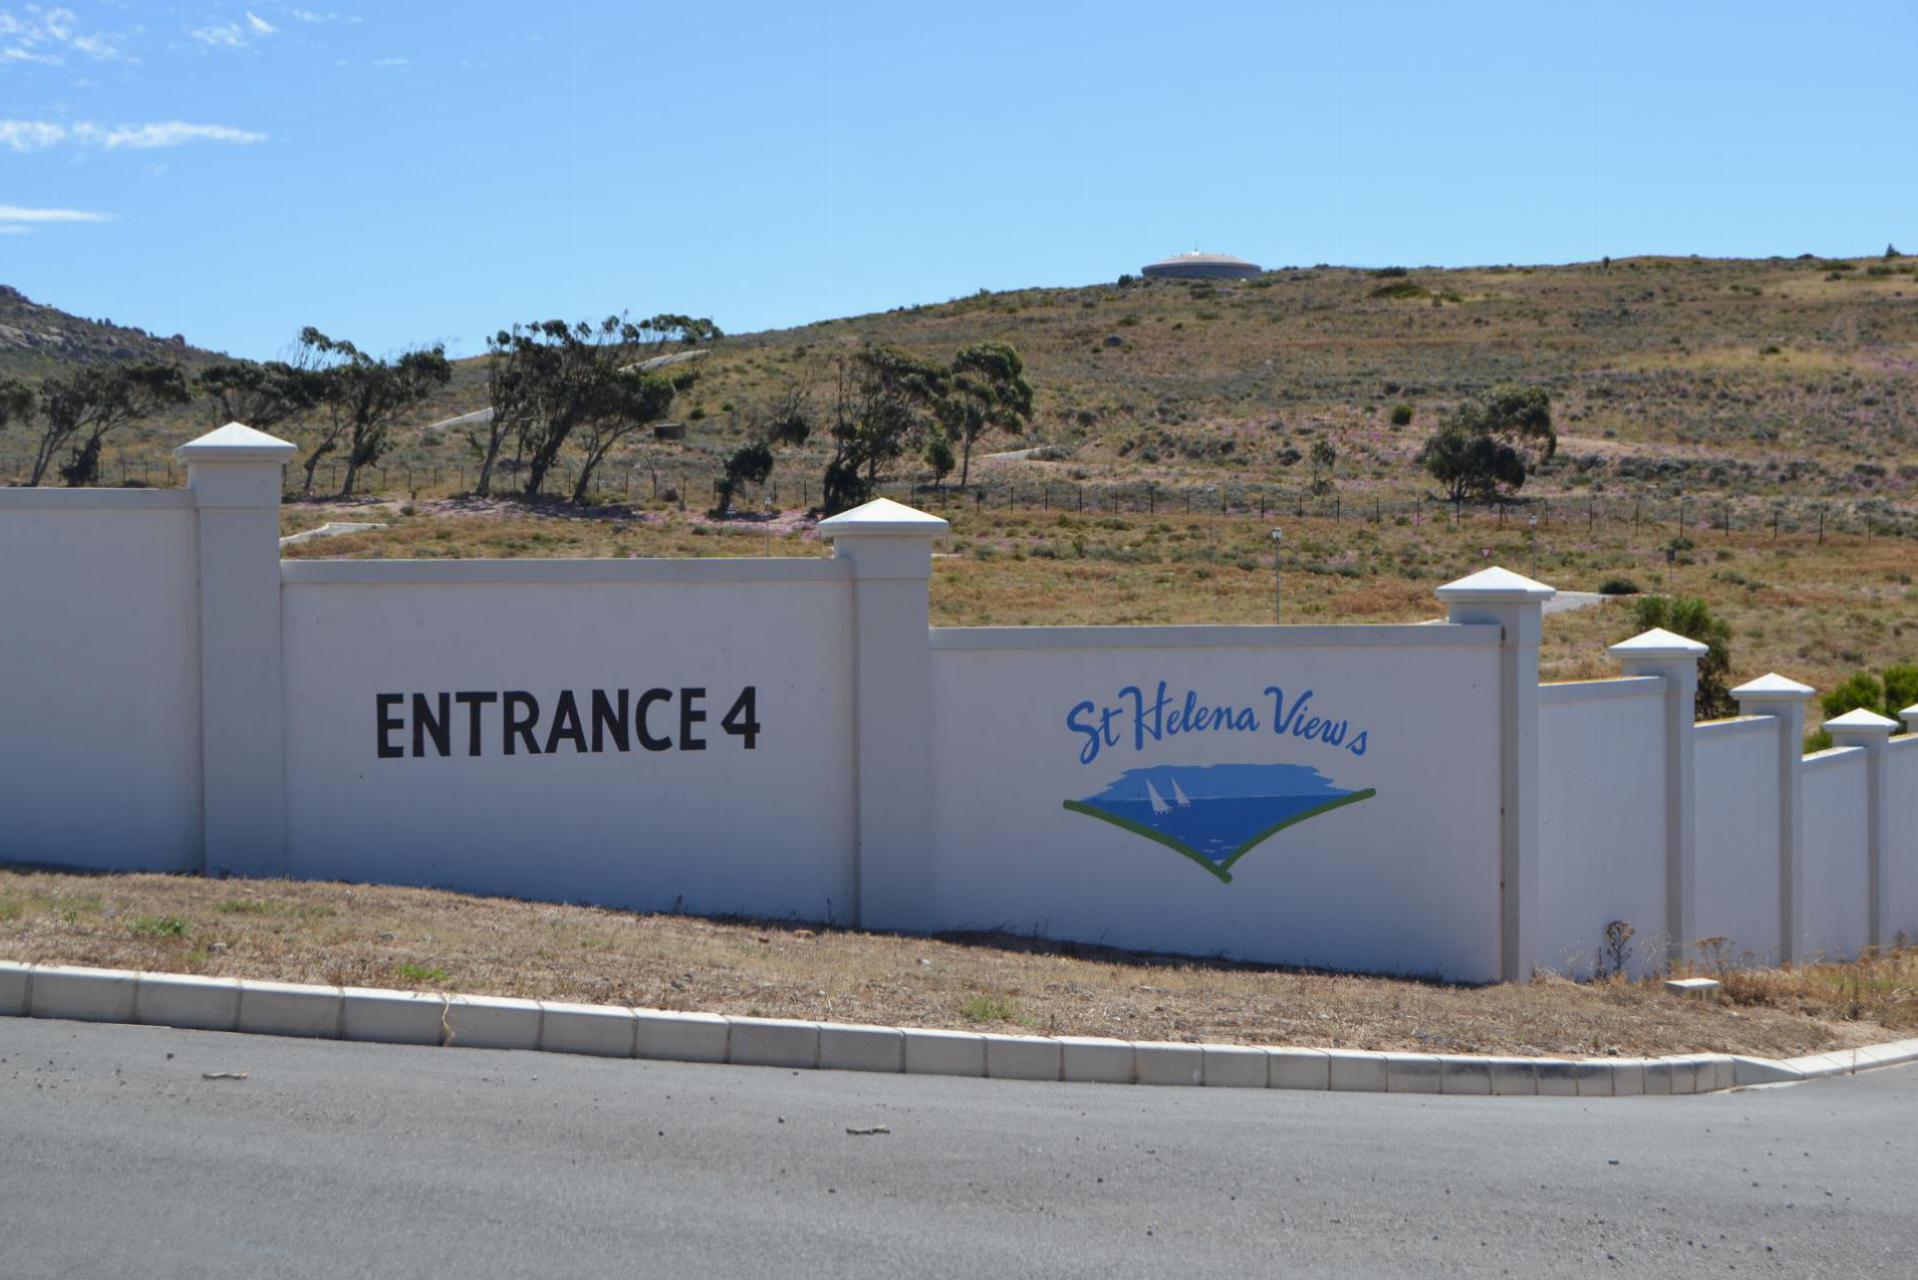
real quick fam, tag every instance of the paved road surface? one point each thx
(337, 1160)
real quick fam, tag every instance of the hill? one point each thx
(1775, 380)
(37, 341)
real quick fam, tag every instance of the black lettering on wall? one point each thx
(521, 717)
(426, 724)
(607, 721)
(389, 724)
(566, 724)
(473, 702)
(742, 718)
(690, 714)
(646, 701)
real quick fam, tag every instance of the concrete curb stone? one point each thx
(1298, 1069)
(425, 1018)
(492, 1022)
(1095, 1060)
(1168, 1064)
(290, 1009)
(1023, 1058)
(606, 1031)
(850, 1047)
(680, 1037)
(387, 1017)
(1413, 1073)
(185, 1000)
(773, 1042)
(1556, 1079)
(1594, 1078)
(1513, 1077)
(1234, 1066)
(85, 995)
(944, 1053)
(1357, 1070)
(14, 980)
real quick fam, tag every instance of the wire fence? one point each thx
(1682, 515)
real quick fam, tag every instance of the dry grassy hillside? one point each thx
(1784, 380)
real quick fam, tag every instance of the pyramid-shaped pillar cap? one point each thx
(882, 517)
(1772, 687)
(1910, 716)
(1659, 643)
(236, 442)
(1861, 724)
(1494, 586)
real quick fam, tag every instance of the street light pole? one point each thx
(1278, 592)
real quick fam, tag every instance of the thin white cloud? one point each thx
(21, 214)
(239, 34)
(173, 133)
(44, 35)
(38, 135)
(227, 36)
(31, 135)
(394, 62)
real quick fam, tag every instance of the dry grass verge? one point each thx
(364, 935)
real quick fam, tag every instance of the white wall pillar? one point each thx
(1784, 701)
(1675, 659)
(1872, 732)
(1516, 604)
(890, 548)
(234, 475)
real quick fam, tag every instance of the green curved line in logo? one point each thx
(1222, 870)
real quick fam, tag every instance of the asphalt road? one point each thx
(117, 1158)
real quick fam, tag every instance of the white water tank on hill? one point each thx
(1200, 266)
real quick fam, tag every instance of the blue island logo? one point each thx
(1215, 814)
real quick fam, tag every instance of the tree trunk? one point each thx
(352, 473)
(965, 458)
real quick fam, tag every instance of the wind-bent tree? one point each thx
(553, 384)
(361, 397)
(80, 409)
(16, 402)
(884, 399)
(1324, 458)
(787, 420)
(262, 395)
(1488, 446)
(988, 392)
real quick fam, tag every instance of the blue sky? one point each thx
(400, 173)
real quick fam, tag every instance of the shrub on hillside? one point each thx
(1692, 618)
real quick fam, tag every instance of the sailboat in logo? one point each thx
(1217, 813)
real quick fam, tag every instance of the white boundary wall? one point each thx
(1836, 921)
(99, 680)
(1738, 841)
(1601, 778)
(790, 738)
(1412, 868)
(545, 812)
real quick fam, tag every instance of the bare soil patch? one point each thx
(422, 939)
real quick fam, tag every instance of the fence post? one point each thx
(1872, 732)
(1674, 658)
(234, 475)
(1516, 604)
(1784, 700)
(889, 547)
